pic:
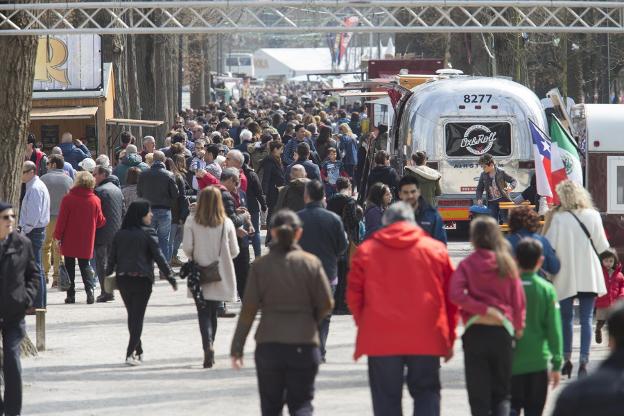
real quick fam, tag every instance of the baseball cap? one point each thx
(5, 205)
(87, 164)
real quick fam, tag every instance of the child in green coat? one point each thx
(541, 342)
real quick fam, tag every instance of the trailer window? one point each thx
(476, 139)
(231, 61)
(615, 184)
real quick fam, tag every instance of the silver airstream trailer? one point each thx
(458, 118)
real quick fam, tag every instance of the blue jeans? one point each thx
(255, 239)
(175, 239)
(12, 336)
(94, 278)
(495, 211)
(37, 237)
(161, 221)
(586, 310)
(386, 375)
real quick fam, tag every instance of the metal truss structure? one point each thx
(312, 16)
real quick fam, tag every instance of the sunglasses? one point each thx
(8, 217)
(26, 171)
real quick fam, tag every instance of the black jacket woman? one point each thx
(273, 176)
(134, 250)
(291, 288)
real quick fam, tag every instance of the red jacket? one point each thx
(397, 292)
(476, 285)
(615, 287)
(79, 216)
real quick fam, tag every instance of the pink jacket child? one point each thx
(476, 285)
(615, 287)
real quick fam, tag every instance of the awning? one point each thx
(381, 101)
(62, 113)
(133, 123)
(374, 94)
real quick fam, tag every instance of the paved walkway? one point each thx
(82, 372)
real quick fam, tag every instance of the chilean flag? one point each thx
(542, 156)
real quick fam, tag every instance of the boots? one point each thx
(566, 370)
(71, 298)
(209, 358)
(90, 296)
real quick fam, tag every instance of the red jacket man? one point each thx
(398, 294)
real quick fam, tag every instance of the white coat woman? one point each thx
(209, 235)
(580, 275)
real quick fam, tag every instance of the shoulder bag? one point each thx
(586, 231)
(210, 273)
(64, 282)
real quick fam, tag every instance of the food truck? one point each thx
(456, 119)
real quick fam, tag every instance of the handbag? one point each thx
(586, 231)
(110, 283)
(64, 282)
(210, 273)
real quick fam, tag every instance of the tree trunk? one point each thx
(17, 64)
(134, 98)
(160, 81)
(145, 72)
(113, 50)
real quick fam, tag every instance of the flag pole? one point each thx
(540, 130)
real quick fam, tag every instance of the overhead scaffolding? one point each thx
(319, 16)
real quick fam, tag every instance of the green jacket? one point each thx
(542, 339)
(428, 182)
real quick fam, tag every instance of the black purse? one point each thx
(210, 273)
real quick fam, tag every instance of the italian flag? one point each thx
(564, 156)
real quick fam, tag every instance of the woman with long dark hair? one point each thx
(209, 236)
(292, 290)
(181, 209)
(134, 250)
(379, 198)
(324, 142)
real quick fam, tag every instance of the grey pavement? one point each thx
(82, 372)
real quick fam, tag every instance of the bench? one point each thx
(40, 324)
(506, 206)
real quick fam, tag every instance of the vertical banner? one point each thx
(345, 37)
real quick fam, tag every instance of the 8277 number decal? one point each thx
(477, 98)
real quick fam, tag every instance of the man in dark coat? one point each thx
(112, 207)
(273, 177)
(235, 208)
(256, 201)
(19, 282)
(291, 195)
(312, 170)
(159, 187)
(427, 217)
(324, 236)
(602, 392)
(384, 173)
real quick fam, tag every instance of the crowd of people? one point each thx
(343, 238)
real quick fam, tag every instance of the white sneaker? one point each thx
(132, 361)
(140, 358)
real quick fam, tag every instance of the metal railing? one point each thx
(319, 16)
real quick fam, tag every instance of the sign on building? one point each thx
(68, 62)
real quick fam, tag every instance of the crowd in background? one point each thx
(347, 234)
